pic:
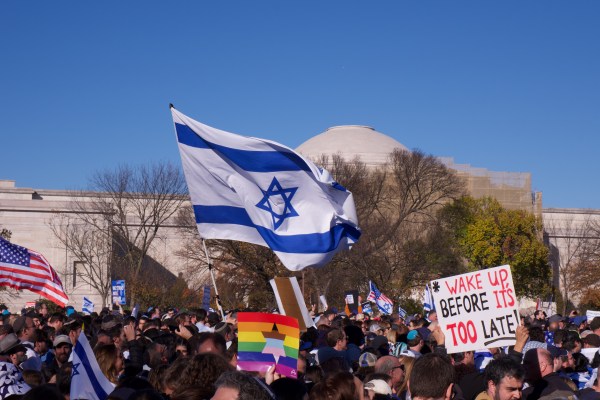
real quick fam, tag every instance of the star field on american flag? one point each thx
(13, 254)
(21, 268)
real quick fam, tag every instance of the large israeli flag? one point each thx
(258, 191)
(87, 380)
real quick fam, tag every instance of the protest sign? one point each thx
(477, 310)
(268, 339)
(591, 314)
(366, 307)
(352, 302)
(323, 301)
(118, 292)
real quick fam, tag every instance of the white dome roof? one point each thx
(351, 141)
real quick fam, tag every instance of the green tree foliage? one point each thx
(489, 235)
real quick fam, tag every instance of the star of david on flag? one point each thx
(258, 191)
(272, 201)
(87, 379)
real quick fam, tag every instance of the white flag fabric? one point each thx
(88, 305)
(87, 380)
(323, 301)
(258, 191)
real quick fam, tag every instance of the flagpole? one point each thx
(212, 276)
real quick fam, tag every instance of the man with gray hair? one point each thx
(391, 366)
(236, 385)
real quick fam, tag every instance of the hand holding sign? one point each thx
(522, 336)
(477, 310)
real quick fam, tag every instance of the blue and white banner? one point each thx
(87, 380)
(366, 308)
(206, 297)
(258, 191)
(118, 292)
(428, 303)
(88, 305)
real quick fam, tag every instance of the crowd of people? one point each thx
(192, 354)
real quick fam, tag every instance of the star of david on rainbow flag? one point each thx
(268, 339)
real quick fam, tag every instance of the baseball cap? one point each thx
(367, 360)
(408, 353)
(555, 318)
(379, 386)
(374, 328)
(585, 333)
(61, 339)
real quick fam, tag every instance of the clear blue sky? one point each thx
(505, 85)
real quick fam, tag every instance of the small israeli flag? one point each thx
(402, 312)
(87, 380)
(88, 306)
(428, 304)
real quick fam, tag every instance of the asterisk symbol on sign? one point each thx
(436, 286)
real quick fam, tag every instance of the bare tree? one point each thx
(91, 247)
(126, 207)
(398, 216)
(574, 255)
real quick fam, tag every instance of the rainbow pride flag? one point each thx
(268, 339)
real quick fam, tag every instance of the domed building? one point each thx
(351, 141)
(511, 189)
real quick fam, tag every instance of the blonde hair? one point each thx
(408, 363)
(392, 335)
(106, 355)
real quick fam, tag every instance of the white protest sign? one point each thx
(477, 310)
(591, 314)
(349, 299)
(323, 301)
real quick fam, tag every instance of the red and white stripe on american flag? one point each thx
(37, 275)
(372, 296)
(386, 299)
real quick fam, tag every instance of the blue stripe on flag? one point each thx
(248, 160)
(303, 243)
(222, 215)
(89, 371)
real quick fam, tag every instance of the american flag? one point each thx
(384, 304)
(21, 268)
